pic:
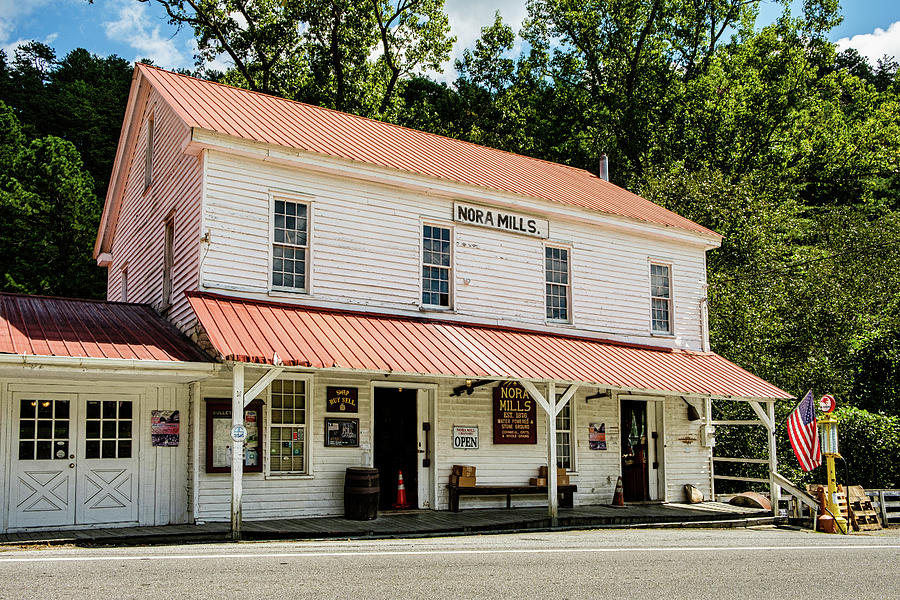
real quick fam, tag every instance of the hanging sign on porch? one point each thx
(341, 399)
(515, 416)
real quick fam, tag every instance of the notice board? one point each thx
(515, 415)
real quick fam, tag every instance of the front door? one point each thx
(75, 460)
(635, 455)
(396, 444)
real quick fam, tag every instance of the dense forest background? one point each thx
(764, 134)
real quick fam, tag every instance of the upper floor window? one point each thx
(148, 155)
(168, 262)
(290, 247)
(556, 264)
(436, 266)
(660, 298)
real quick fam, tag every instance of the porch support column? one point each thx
(551, 408)
(768, 418)
(239, 400)
(237, 449)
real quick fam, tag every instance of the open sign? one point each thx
(465, 438)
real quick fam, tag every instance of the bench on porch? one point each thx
(565, 493)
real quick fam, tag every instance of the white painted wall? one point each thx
(365, 253)
(138, 244)
(163, 472)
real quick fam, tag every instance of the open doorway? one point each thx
(635, 451)
(396, 443)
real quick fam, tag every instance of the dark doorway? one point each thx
(395, 440)
(633, 433)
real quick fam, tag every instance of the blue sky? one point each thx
(135, 29)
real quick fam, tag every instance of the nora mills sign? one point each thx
(500, 219)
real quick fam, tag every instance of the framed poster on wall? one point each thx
(341, 433)
(218, 436)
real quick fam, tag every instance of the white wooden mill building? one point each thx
(363, 291)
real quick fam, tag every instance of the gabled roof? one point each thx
(42, 326)
(271, 120)
(254, 331)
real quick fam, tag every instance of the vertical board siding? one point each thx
(162, 476)
(139, 236)
(687, 461)
(321, 493)
(365, 251)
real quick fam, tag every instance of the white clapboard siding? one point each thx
(321, 493)
(138, 243)
(366, 251)
(687, 461)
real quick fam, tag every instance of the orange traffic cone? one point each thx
(401, 502)
(619, 496)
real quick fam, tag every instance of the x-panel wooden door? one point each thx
(107, 473)
(42, 486)
(75, 460)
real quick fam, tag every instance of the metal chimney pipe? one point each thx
(604, 167)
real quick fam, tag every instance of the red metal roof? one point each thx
(272, 120)
(252, 331)
(38, 325)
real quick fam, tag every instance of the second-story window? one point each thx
(168, 262)
(290, 247)
(436, 266)
(557, 277)
(660, 298)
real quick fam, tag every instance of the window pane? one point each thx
(45, 409)
(26, 409)
(26, 450)
(109, 409)
(92, 430)
(45, 430)
(109, 449)
(62, 409)
(44, 450)
(61, 430)
(125, 430)
(125, 409)
(109, 429)
(26, 430)
(92, 449)
(93, 410)
(125, 449)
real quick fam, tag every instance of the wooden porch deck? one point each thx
(409, 524)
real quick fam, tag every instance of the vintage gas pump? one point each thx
(830, 449)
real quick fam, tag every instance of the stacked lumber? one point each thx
(863, 515)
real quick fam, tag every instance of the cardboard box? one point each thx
(542, 471)
(562, 480)
(538, 481)
(462, 481)
(463, 471)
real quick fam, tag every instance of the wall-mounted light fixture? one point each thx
(692, 413)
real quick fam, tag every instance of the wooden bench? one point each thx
(565, 493)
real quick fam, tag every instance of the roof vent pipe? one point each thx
(604, 167)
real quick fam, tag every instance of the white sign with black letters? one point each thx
(500, 219)
(465, 438)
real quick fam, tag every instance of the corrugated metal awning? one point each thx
(66, 327)
(253, 331)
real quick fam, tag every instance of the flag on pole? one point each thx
(803, 432)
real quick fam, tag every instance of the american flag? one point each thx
(803, 432)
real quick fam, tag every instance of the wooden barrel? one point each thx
(361, 490)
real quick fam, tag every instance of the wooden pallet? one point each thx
(863, 515)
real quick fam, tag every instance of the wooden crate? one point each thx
(863, 515)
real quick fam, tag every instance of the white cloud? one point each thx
(10, 12)
(11, 47)
(134, 28)
(876, 44)
(467, 17)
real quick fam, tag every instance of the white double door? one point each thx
(74, 460)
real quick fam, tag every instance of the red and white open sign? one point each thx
(827, 403)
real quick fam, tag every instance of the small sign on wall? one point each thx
(597, 436)
(341, 399)
(341, 433)
(164, 427)
(465, 438)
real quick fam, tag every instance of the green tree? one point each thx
(50, 215)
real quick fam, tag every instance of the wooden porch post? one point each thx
(237, 449)
(774, 488)
(552, 481)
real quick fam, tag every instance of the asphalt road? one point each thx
(621, 564)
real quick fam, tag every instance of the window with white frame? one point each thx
(148, 155)
(565, 458)
(660, 298)
(436, 266)
(290, 245)
(288, 406)
(556, 268)
(168, 262)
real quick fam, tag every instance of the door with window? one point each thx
(75, 460)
